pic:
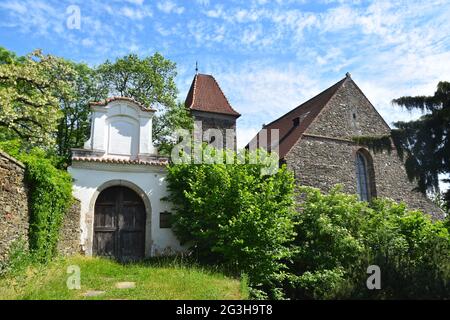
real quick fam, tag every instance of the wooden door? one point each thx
(119, 224)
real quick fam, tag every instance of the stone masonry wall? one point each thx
(69, 234)
(323, 163)
(348, 114)
(14, 214)
(325, 155)
(220, 124)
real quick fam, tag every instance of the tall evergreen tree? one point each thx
(425, 143)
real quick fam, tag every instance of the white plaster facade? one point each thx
(120, 152)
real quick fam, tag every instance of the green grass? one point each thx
(154, 281)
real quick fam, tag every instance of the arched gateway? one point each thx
(120, 181)
(119, 224)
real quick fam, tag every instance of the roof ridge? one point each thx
(338, 86)
(314, 97)
(221, 91)
(194, 85)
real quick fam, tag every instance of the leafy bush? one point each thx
(234, 216)
(412, 251)
(50, 196)
(338, 237)
(19, 257)
(329, 245)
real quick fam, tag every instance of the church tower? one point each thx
(211, 109)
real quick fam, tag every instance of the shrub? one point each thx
(232, 215)
(328, 242)
(338, 237)
(412, 251)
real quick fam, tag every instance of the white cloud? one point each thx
(169, 7)
(261, 92)
(244, 135)
(136, 13)
(14, 6)
(137, 2)
(217, 12)
(203, 2)
(87, 42)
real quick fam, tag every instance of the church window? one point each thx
(364, 171)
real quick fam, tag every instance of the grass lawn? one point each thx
(152, 280)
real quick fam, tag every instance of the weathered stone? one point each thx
(14, 212)
(93, 293)
(218, 122)
(125, 285)
(13, 204)
(325, 154)
(69, 234)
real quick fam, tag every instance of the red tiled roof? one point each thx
(206, 95)
(306, 112)
(156, 162)
(108, 100)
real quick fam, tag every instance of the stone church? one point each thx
(316, 143)
(120, 179)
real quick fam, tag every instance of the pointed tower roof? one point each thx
(205, 95)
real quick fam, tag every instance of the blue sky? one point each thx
(268, 56)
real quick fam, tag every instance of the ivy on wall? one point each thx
(375, 143)
(50, 196)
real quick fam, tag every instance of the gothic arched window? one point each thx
(364, 176)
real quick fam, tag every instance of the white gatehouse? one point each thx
(120, 180)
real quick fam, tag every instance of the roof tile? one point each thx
(305, 113)
(156, 162)
(205, 95)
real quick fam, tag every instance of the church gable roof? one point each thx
(348, 114)
(294, 123)
(205, 95)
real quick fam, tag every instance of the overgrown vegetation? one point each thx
(50, 196)
(228, 214)
(375, 143)
(338, 237)
(44, 112)
(19, 258)
(234, 216)
(44, 100)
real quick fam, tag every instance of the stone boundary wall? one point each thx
(14, 214)
(69, 234)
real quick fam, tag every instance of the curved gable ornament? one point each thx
(121, 128)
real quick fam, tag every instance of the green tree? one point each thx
(425, 142)
(150, 81)
(30, 89)
(53, 81)
(74, 125)
(412, 251)
(7, 57)
(234, 216)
